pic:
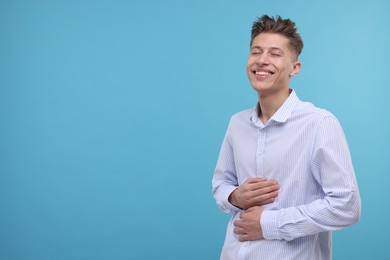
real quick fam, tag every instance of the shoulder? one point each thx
(317, 119)
(312, 112)
(244, 114)
(241, 120)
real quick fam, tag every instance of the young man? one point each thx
(284, 171)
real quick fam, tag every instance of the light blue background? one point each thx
(112, 114)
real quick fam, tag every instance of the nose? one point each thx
(262, 60)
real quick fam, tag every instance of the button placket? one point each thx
(260, 151)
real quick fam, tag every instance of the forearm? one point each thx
(328, 214)
(225, 181)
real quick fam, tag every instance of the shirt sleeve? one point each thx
(225, 181)
(332, 168)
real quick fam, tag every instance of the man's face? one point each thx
(271, 63)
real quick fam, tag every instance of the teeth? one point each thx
(262, 73)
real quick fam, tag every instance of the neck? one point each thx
(270, 103)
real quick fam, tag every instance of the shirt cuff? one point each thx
(226, 205)
(269, 225)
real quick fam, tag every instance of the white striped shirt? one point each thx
(305, 150)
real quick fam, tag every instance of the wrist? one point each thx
(232, 199)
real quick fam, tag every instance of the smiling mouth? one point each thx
(263, 73)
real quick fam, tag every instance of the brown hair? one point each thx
(284, 27)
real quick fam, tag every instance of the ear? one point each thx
(296, 68)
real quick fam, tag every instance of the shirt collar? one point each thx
(282, 114)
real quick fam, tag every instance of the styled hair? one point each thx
(285, 27)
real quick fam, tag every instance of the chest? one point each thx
(279, 152)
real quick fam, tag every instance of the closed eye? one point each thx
(276, 54)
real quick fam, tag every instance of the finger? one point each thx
(255, 180)
(260, 190)
(245, 216)
(268, 201)
(244, 237)
(261, 199)
(256, 191)
(264, 184)
(258, 185)
(239, 231)
(265, 197)
(238, 223)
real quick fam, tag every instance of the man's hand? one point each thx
(254, 192)
(248, 227)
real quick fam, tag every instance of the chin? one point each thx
(260, 87)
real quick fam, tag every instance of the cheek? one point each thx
(249, 73)
(248, 64)
(248, 68)
(284, 69)
(251, 61)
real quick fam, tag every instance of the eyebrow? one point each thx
(271, 48)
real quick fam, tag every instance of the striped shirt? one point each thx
(305, 150)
